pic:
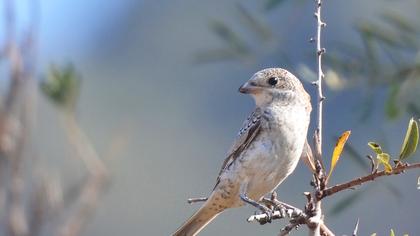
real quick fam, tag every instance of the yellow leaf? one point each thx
(384, 158)
(375, 147)
(392, 233)
(338, 149)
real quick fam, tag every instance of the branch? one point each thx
(94, 186)
(361, 180)
(319, 52)
(297, 216)
(315, 221)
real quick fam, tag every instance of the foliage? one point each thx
(61, 85)
(411, 140)
(385, 58)
(338, 149)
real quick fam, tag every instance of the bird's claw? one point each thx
(269, 215)
(283, 211)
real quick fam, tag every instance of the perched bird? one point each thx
(266, 150)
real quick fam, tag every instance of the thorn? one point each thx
(316, 15)
(312, 40)
(308, 196)
(194, 200)
(356, 228)
(322, 51)
(273, 196)
(372, 163)
(322, 99)
(323, 24)
(315, 83)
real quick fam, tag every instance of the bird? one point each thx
(266, 150)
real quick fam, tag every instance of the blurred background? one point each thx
(113, 114)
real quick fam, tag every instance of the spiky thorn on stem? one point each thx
(319, 178)
(313, 210)
(194, 200)
(356, 228)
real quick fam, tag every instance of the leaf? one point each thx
(392, 233)
(375, 147)
(338, 149)
(361, 162)
(411, 140)
(374, 234)
(383, 159)
(61, 85)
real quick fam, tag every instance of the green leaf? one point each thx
(383, 159)
(375, 147)
(392, 233)
(61, 85)
(411, 140)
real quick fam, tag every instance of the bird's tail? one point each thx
(199, 220)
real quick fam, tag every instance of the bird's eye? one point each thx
(273, 81)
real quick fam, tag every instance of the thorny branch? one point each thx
(361, 180)
(299, 217)
(314, 223)
(319, 52)
(312, 216)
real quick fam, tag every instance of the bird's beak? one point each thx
(249, 87)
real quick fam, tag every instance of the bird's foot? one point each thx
(265, 210)
(269, 214)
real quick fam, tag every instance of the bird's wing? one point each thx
(308, 157)
(250, 129)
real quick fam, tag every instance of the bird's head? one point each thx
(275, 85)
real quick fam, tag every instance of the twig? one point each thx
(319, 52)
(315, 221)
(95, 185)
(296, 215)
(194, 200)
(361, 180)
